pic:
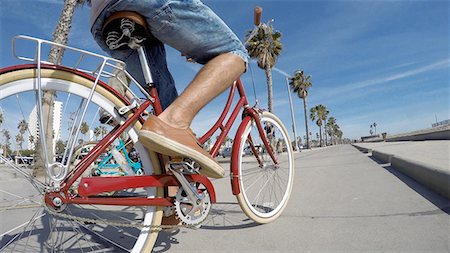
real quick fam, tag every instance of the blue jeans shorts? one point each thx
(186, 25)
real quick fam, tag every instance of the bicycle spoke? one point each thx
(262, 188)
(265, 191)
(35, 182)
(17, 237)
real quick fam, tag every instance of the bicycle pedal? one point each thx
(182, 166)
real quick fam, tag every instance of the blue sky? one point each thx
(371, 61)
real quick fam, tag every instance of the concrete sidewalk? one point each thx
(342, 201)
(428, 162)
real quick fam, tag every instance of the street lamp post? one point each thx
(292, 115)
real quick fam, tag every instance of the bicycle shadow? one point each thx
(223, 216)
(47, 233)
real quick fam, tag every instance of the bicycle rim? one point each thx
(265, 187)
(40, 230)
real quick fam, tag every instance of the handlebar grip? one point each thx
(257, 15)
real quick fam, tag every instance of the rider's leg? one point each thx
(216, 76)
(169, 134)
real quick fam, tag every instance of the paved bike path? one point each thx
(342, 201)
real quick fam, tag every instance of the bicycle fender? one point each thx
(234, 170)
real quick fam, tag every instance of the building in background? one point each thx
(34, 129)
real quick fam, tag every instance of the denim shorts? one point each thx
(186, 25)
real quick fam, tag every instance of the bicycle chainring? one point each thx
(192, 212)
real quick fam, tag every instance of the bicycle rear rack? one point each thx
(80, 60)
(100, 67)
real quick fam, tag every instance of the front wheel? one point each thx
(265, 187)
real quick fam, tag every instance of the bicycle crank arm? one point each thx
(90, 186)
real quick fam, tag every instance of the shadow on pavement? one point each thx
(227, 216)
(223, 216)
(437, 200)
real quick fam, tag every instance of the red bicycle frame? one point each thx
(91, 186)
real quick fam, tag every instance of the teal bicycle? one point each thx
(130, 166)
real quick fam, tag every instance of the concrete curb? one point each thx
(384, 157)
(433, 178)
(362, 149)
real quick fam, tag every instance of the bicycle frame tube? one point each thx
(102, 145)
(242, 102)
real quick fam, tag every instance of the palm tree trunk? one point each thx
(331, 138)
(60, 35)
(325, 132)
(269, 87)
(308, 145)
(321, 140)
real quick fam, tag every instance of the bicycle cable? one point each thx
(253, 83)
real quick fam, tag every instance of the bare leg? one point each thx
(214, 78)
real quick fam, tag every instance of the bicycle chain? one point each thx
(154, 228)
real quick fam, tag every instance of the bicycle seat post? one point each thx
(144, 65)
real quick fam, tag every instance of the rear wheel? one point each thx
(27, 225)
(265, 187)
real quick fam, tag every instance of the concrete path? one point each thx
(342, 201)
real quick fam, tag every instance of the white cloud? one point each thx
(281, 71)
(354, 88)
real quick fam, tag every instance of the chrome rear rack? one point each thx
(100, 66)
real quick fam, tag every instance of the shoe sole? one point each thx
(163, 145)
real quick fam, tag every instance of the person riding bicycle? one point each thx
(198, 33)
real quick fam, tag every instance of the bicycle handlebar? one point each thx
(257, 15)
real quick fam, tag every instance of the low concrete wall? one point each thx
(362, 149)
(434, 178)
(384, 157)
(440, 133)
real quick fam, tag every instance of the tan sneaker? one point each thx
(167, 140)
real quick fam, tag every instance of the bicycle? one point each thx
(65, 208)
(116, 162)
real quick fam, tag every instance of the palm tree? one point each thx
(338, 133)
(60, 35)
(19, 141)
(314, 115)
(103, 131)
(60, 146)
(96, 132)
(324, 113)
(331, 124)
(319, 113)
(23, 126)
(333, 130)
(7, 137)
(300, 83)
(375, 127)
(84, 129)
(266, 46)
